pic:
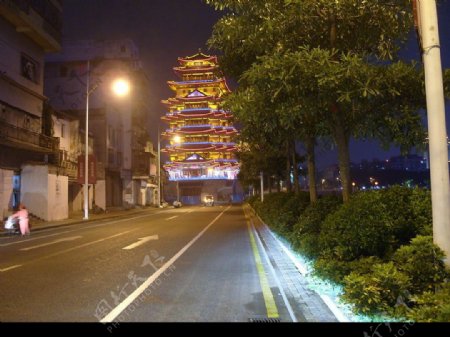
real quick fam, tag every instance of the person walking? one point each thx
(24, 223)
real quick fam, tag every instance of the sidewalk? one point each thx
(306, 303)
(78, 218)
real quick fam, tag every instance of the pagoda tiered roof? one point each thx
(202, 129)
(221, 82)
(199, 112)
(213, 163)
(197, 57)
(195, 69)
(206, 150)
(184, 100)
(201, 146)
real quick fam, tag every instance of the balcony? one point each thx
(17, 137)
(39, 20)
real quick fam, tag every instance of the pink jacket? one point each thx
(22, 215)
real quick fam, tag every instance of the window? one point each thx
(29, 68)
(63, 129)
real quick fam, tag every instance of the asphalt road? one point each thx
(192, 264)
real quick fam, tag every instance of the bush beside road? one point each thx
(378, 247)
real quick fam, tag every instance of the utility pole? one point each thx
(437, 133)
(159, 170)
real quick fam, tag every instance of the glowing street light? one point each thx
(121, 88)
(176, 139)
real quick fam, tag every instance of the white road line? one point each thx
(70, 238)
(190, 211)
(141, 241)
(272, 270)
(172, 217)
(9, 268)
(135, 294)
(28, 239)
(77, 247)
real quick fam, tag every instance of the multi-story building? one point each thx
(28, 150)
(118, 126)
(201, 149)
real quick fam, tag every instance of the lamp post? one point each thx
(159, 169)
(177, 140)
(121, 88)
(439, 173)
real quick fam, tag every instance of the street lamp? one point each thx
(177, 139)
(120, 87)
(159, 169)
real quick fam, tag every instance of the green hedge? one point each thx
(358, 228)
(431, 306)
(423, 262)
(378, 291)
(305, 234)
(281, 210)
(377, 245)
(409, 211)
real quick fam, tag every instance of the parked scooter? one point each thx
(12, 225)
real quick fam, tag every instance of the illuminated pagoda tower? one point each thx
(200, 131)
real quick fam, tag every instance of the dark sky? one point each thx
(166, 29)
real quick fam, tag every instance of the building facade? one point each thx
(118, 126)
(200, 132)
(28, 150)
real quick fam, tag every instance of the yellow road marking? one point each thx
(271, 307)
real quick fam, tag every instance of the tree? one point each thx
(354, 42)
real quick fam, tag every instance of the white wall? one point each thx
(45, 195)
(58, 201)
(34, 189)
(100, 194)
(6, 188)
(64, 140)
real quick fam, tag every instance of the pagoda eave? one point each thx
(191, 70)
(197, 57)
(174, 85)
(182, 116)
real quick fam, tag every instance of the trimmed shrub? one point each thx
(305, 234)
(289, 212)
(409, 210)
(421, 210)
(376, 292)
(359, 228)
(281, 210)
(431, 306)
(336, 270)
(423, 262)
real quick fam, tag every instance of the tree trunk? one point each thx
(295, 169)
(288, 169)
(342, 142)
(311, 158)
(278, 185)
(269, 183)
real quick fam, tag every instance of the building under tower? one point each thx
(200, 133)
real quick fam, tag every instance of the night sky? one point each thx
(166, 29)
